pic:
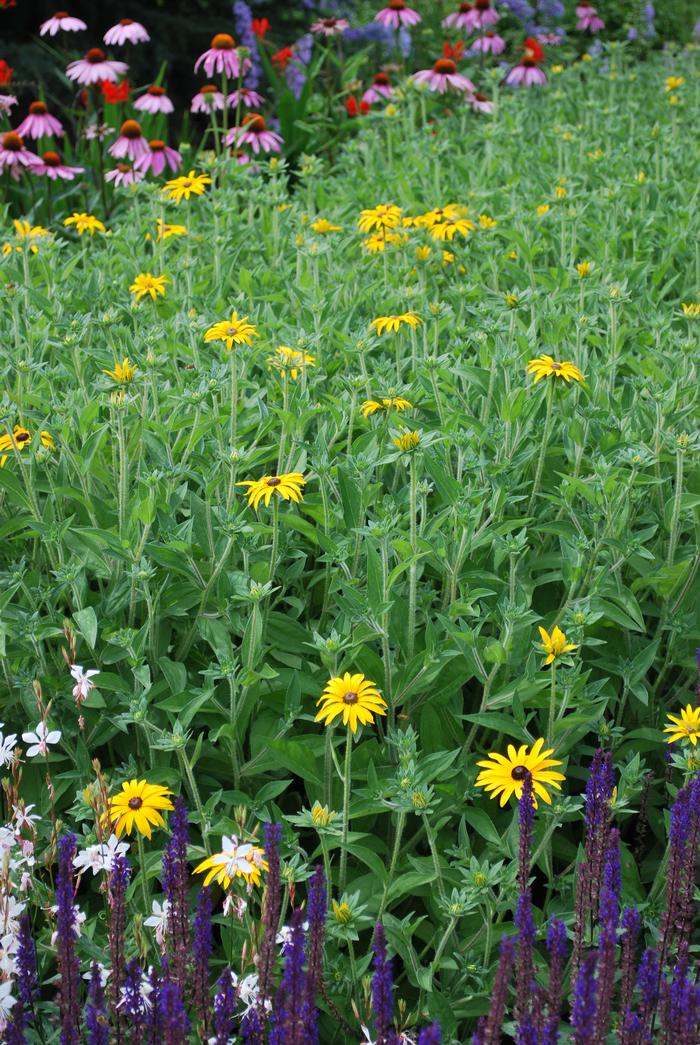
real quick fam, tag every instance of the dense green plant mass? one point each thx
(426, 566)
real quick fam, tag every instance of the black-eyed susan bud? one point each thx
(322, 816)
(579, 618)
(419, 800)
(405, 783)
(342, 912)
(682, 441)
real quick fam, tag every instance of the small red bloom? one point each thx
(282, 58)
(455, 52)
(113, 93)
(7, 3)
(5, 73)
(533, 50)
(364, 108)
(260, 27)
(351, 106)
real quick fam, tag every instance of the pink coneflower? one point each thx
(396, 14)
(126, 31)
(95, 67)
(40, 123)
(330, 26)
(459, 18)
(380, 90)
(61, 22)
(482, 15)
(251, 99)
(253, 132)
(526, 73)
(14, 155)
(208, 99)
(222, 57)
(158, 156)
(444, 76)
(489, 43)
(123, 174)
(588, 18)
(130, 143)
(155, 100)
(50, 165)
(480, 103)
(6, 102)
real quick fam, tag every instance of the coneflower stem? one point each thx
(142, 876)
(346, 812)
(552, 704)
(543, 446)
(414, 550)
(234, 398)
(275, 535)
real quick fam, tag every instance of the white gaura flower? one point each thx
(247, 990)
(158, 920)
(6, 1003)
(10, 910)
(40, 740)
(104, 973)
(284, 936)
(7, 840)
(80, 917)
(98, 857)
(7, 747)
(83, 685)
(23, 817)
(9, 944)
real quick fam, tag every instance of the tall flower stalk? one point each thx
(66, 934)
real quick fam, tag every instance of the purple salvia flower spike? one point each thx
(630, 932)
(525, 925)
(491, 1034)
(175, 1023)
(557, 947)
(224, 1008)
(287, 1024)
(316, 916)
(431, 1035)
(609, 914)
(270, 918)
(66, 929)
(382, 990)
(201, 952)
(116, 896)
(132, 1003)
(526, 819)
(175, 887)
(648, 980)
(583, 1011)
(96, 1018)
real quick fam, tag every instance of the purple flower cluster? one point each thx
(66, 932)
(243, 17)
(382, 990)
(175, 886)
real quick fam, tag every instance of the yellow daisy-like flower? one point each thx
(372, 406)
(233, 331)
(441, 214)
(186, 185)
(323, 225)
(235, 860)
(123, 372)
(557, 70)
(687, 727)
(584, 269)
(145, 283)
(672, 83)
(543, 209)
(138, 805)
(25, 231)
(385, 216)
(377, 243)
(447, 257)
(504, 776)
(20, 438)
(288, 486)
(485, 222)
(423, 253)
(545, 366)
(406, 441)
(560, 192)
(354, 697)
(448, 229)
(167, 229)
(691, 311)
(290, 360)
(555, 645)
(390, 324)
(85, 223)
(512, 300)
(47, 440)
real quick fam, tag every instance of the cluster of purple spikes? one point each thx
(645, 999)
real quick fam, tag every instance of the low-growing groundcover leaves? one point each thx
(349, 452)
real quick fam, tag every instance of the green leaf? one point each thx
(86, 623)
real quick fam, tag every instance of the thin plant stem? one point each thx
(346, 811)
(543, 447)
(552, 703)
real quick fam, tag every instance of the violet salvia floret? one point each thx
(431, 1035)
(224, 1008)
(316, 916)
(174, 1019)
(270, 917)
(26, 983)
(557, 947)
(175, 887)
(583, 1011)
(243, 17)
(382, 990)
(132, 1004)
(251, 1030)
(631, 924)
(96, 1018)
(287, 1024)
(116, 895)
(66, 930)
(491, 1032)
(648, 979)
(154, 1022)
(609, 916)
(526, 818)
(525, 925)
(201, 953)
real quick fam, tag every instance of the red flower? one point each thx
(533, 50)
(282, 58)
(113, 93)
(352, 108)
(260, 26)
(7, 3)
(455, 53)
(5, 73)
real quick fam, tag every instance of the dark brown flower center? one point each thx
(131, 129)
(135, 802)
(124, 168)
(223, 42)
(397, 5)
(350, 698)
(126, 21)
(22, 437)
(519, 772)
(94, 56)
(274, 481)
(61, 14)
(329, 23)
(556, 366)
(12, 142)
(444, 65)
(254, 122)
(156, 91)
(464, 8)
(209, 88)
(157, 145)
(51, 159)
(482, 5)
(481, 97)
(38, 108)
(382, 79)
